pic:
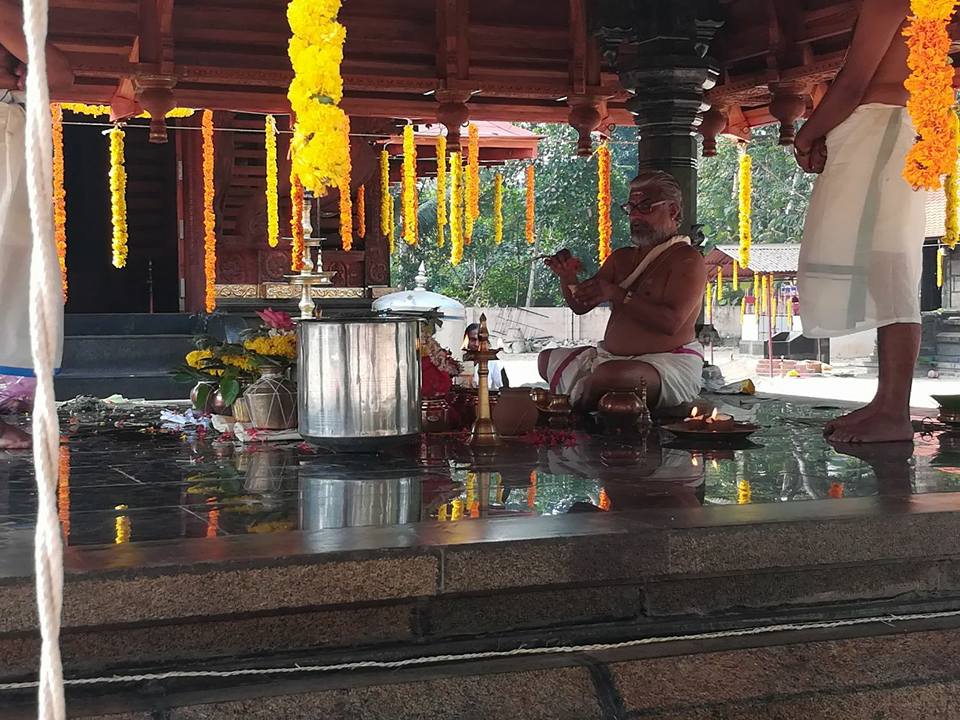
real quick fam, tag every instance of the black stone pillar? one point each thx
(659, 48)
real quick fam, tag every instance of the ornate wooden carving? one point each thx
(713, 123)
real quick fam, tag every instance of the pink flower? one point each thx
(276, 319)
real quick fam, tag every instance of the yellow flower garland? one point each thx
(209, 219)
(456, 209)
(346, 204)
(531, 237)
(746, 191)
(118, 198)
(473, 180)
(940, 254)
(789, 314)
(296, 223)
(708, 299)
(951, 231)
(320, 145)
(744, 492)
(362, 211)
(735, 277)
(392, 223)
(719, 283)
(273, 211)
(930, 84)
(441, 190)
(100, 110)
(409, 186)
(386, 201)
(604, 226)
(59, 196)
(743, 309)
(498, 208)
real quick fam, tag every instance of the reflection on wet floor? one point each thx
(134, 487)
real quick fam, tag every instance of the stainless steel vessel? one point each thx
(330, 502)
(359, 381)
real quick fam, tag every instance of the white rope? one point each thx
(45, 306)
(888, 620)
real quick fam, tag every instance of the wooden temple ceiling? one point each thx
(512, 61)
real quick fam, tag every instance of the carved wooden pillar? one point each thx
(713, 123)
(453, 113)
(659, 48)
(584, 117)
(155, 95)
(789, 103)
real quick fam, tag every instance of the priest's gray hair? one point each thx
(668, 185)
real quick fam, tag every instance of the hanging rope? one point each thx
(46, 305)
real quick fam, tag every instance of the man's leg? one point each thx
(887, 417)
(620, 375)
(12, 438)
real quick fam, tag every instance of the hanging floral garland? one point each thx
(473, 180)
(456, 209)
(209, 219)
(532, 491)
(118, 198)
(362, 211)
(746, 190)
(930, 84)
(531, 238)
(320, 143)
(498, 208)
(386, 201)
(744, 492)
(603, 501)
(63, 490)
(951, 231)
(392, 222)
(346, 204)
(296, 223)
(735, 277)
(100, 110)
(409, 186)
(604, 226)
(59, 196)
(719, 283)
(940, 253)
(441, 190)
(708, 297)
(789, 314)
(465, 214)
(273, 211)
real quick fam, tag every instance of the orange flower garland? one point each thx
(456, 210)
(361, 211)
(409, 186)
(209, 219)
(296, 223)
(498, 208)
(934, 153)
(118, 198)
(531, 238)
(473, 180)
(59, 196)
(603, 202)
(346, 202)
(386, 200)
(532, 491)
(441, 190)
(273, 211)
(63, 490)
(603, 502)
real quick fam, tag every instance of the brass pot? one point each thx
(197, 391)
(241, 411)
(272, 401)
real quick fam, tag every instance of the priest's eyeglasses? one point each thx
(644, 208)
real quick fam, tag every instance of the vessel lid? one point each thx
(420, 299)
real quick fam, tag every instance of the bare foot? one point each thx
(879, 427)
(851, 418)
(890, 463)
(12, 438)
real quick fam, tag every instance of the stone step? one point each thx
(147, 385)
(130, 324)
(127, 353)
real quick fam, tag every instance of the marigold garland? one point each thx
(320, 146)
(532, 491)
(498, 208)
(362, 211)
(118, 198)
(409, 186)
(59, 196)
(930, 84)
(100, 110)
(473, 180)
(708, 299)
(940, 254)
(386, 200)
(456, 209)
(346, 202)
(951, 230)
(744, 492)
(296, 223)
(63, 490)
(441, 190)
(604, 226)
(392, 223)
(745, 198)
(735, 276)
(719, 283)
(531, 237)
(789, 314)
(209, 219)
(273, 211)
(465, 213)
(603, 501)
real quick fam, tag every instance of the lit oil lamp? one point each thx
(718, 422)
(696, 421)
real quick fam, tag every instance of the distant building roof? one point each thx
(763, 258)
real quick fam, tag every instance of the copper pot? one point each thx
(541, 397)
(434, 415)
(621, 402)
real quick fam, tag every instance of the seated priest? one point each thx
(655, 292)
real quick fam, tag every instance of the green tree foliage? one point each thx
(566, 215)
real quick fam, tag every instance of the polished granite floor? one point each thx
(125, 485)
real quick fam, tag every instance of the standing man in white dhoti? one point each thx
(15, 235)
(860, 260)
